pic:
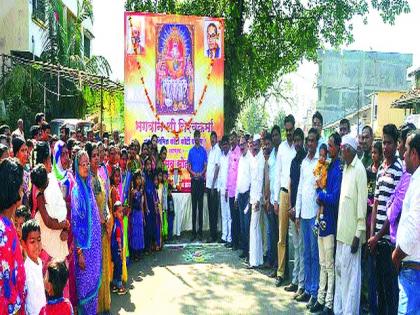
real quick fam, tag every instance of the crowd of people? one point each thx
(348, 206)
(76, 210)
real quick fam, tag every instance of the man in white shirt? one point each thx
(243, 185)
(224, 196)
(317, 123)
(285, 155)
(257, 162)
(306, 209)
(406, 256)
(213, 164)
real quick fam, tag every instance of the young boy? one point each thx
(21, 216)
(55, 281)
(31, 243)
(320, 173)
(117, 241)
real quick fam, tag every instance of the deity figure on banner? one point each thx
(174, 69)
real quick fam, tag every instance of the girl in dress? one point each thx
(158, 209)
(151, 206)
(137, 204)
(115, 196)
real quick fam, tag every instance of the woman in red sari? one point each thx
(12, 271)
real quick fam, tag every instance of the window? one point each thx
(38, 10)
(86, 44)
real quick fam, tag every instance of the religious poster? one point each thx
(174, 72)
(174, 69)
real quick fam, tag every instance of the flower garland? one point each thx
(154, 111)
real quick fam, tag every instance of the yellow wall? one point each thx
(14, 25)
(386, 114)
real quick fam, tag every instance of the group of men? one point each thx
(270, 198)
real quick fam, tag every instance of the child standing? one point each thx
(163, 198)
(116, 196)
(150, 192)
(117, 253)
(31, 243)
(55, 281)
(320, 173)
(21, 216)
(158, 209)
(137, 202)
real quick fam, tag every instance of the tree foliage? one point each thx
(252, 118)
(265, 39)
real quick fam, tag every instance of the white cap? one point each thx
(349, 140)
(256, 137)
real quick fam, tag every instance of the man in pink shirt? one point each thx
(235, 154)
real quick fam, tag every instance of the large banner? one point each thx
(173, 83)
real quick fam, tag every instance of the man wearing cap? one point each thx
(257, 163)
(285, 155)
(351, 229)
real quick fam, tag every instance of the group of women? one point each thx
(71, 189)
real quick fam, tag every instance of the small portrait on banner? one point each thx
(212, 39)
(135, 33)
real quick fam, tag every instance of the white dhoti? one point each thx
(226, 219)
(347, 280)
(255, 240)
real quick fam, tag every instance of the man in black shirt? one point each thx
(297, 284)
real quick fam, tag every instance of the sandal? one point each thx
(114, 289)
(122, 291)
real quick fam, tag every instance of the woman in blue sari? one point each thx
(87, 237)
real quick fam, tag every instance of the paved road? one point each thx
(202, 279)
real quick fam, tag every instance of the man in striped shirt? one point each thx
(389, 175)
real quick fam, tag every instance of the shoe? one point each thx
(228, 245)
(221, 241)
(279, 281)
(300, 291)
(273, 274)
(242, 255)
(234, 247)
(291, 288)
(114, 289)
(193, 238)
(311, 303)
(316, 308)
(304, 297)
(327, 311)
(266, 265)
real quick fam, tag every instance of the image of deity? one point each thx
(174, 69)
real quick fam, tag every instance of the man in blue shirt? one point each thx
(197, 165)
(326, 238)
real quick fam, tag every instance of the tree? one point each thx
(265, 39)
(252, 118)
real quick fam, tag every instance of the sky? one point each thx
(108, 28)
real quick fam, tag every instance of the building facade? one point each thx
(23, 24)
(347, 78)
